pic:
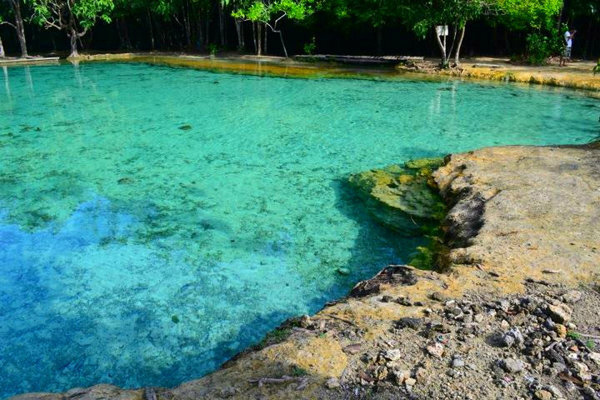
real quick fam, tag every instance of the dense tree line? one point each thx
(253, 25)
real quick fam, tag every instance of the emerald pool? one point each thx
(155, 221)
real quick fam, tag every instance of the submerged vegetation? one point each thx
(531, 29)
(402, 197)
(405, 199)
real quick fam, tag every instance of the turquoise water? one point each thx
(155, 221)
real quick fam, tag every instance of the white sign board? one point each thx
(442, 30)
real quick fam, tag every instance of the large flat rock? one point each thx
(525, 211)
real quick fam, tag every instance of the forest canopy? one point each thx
(532, 29)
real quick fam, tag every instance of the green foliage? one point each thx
(4, 13)
(538, 48)
(539, 18)
(212, 49)
(536, 18)
(374, 12)
(590, 344)
(541, 46)
(526, 14)
(310, 47)
(423, 15)
(271, 13)
(297, 371)
(597, 68)
(87, 11)
(265, 11)
(432, 256)
(57, 13)
(573, 335)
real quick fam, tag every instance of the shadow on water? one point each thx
(376, 246)
(46, 301)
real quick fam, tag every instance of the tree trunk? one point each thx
(187, 26)
(587, 39)
(449, 52)
(265, 49)
(506, 41)
(283, 44)
(16, 5)
(242, 31)
(238, 30)
(200, 42)
(221, 23)
(120, 34)
(207, 38)
(73, 39)
(442, 47)
(495, 40)
(123, 33)
(458, 47)
(128, 45)
(2, 55)
(254, 37)
(259, 38)
(379, 40)
(152, 41)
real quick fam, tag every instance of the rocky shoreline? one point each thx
(515, 315)
(575, 76)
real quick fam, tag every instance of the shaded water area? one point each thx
(155, 221)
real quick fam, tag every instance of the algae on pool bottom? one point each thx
(138, 253)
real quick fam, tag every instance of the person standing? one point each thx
(566, 56)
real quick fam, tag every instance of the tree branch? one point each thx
(8, 23)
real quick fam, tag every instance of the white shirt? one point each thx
(568, 39)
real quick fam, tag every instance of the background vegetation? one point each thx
(528, 29)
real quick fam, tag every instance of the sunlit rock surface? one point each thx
(525, 210)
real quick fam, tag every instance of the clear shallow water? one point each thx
(138, 253)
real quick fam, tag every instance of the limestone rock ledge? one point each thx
(402, 197)
(522, 220)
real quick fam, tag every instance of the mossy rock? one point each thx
(402, 197)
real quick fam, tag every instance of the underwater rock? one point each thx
(403, 198)
(343, 271)
(185, 127)
(125, 181)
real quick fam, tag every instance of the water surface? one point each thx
(155, 221)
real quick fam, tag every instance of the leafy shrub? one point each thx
(541, 46)
(538, 48)
(310, 47)
(212, 49)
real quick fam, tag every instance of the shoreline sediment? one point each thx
(578, 76)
